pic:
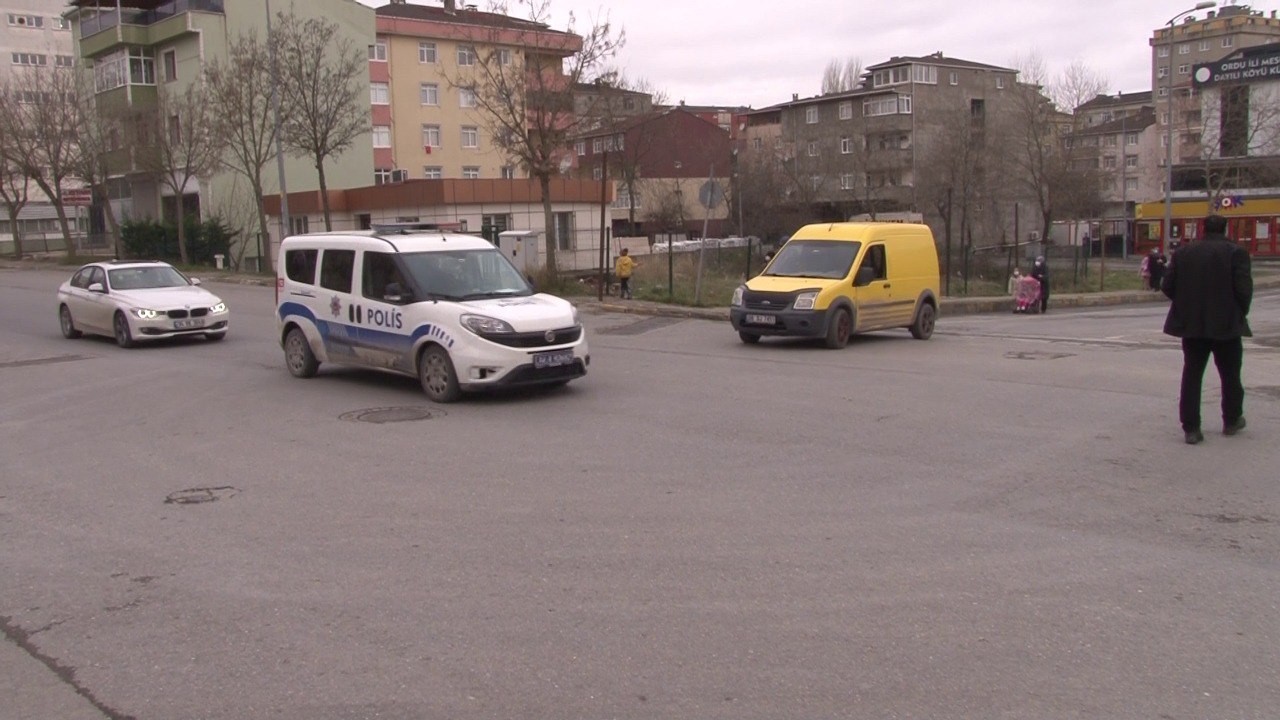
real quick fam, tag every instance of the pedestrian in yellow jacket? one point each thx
(624, 267)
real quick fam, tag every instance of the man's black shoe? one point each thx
(1235, 427)
(1193, 437)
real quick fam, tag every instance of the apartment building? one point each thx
(139, 49)
(424, 125)
(867, 149)
(1119, 138)
(33, 34)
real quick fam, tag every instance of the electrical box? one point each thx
(521, 247)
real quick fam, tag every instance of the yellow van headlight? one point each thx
(737, 296)
(805, 300)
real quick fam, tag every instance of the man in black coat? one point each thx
(1211, 286)
(1040, 271)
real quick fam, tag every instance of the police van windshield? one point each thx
(465, 275)
(814, 258)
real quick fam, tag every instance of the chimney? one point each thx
(450, 6)
(795, 97)
(1212, 15)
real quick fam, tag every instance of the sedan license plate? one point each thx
(184, 324)
(762, 320)
(555, 358)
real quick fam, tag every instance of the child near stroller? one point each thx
(1026, 295)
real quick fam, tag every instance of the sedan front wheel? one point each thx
(124, 335)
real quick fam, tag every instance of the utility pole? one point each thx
(275, 102)
(604, 178)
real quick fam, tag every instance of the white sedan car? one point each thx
(133, 301)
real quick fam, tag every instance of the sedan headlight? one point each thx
(485, 325)
(737, 296)
(144, 314)
(219, 308)
(805, 300)
(575, 314)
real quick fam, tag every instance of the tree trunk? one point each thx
(17, 233)
(265, 261)
(113, 225)
(544, 182)
(58, 207)
(182, 231)
(324, 193)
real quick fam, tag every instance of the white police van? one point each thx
(446, 307)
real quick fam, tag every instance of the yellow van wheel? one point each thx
(926, 316)
(840, 329)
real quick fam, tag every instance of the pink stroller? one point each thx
(1026, 295)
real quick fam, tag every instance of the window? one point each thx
(999, 83)
(466, 55)
(381, 136)
(1112, 141)
(300, 265)
(335, 270)
(927, 74)
(892, 76)
(1204, 45)
(1184, 69)
(299, 225)
(470, 136)
(508, 172)
(34, 59)
(813, 148)
(64, 60)
(955, 78)
(426, 52)
(875, 260)
(884, 106)
(1162, 72)
(580, 148)
(1184, 49)
(597, 145)
(1163, 92)
(816, 182)
(27, 21)
(904, 104)
(846, 110)
(381, 176)
(170, 63)
(61, 23)
(379, 93)
(504, 56)
(1131, 184)
(471, 172)
(1131, 138)
(466, 98)
(430, 136)
(142, 67)
(380, 270)
(175, 130)
(811, 115)
(846, 145)
(596, 173)
(757, 143)
(1109, 162)
(378, 51)
(429, 94)
(1131, 161)
(846, 182)
(562, 226)
(433, 172)
(1228, 41)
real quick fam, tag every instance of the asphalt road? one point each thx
(1001, 522)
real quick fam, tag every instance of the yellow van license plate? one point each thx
(762, 319)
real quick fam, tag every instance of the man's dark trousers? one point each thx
(1228, 356)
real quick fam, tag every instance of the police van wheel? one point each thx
(435, 372)
(922, 328)
(298, 357)
(840, 329)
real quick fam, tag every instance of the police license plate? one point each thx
(555, 358)
(184, 324)
(762, 319)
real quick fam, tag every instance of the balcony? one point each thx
(142, 14)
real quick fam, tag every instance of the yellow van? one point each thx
(836, 279)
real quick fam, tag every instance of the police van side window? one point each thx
(380, 271)
(300, 265)
(335, 269)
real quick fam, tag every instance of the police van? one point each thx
(445, 307)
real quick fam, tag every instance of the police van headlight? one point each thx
(805, 300)
(144, 314)
(485, 325)
(737, 296)
(219, 308)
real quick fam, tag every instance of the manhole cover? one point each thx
(1037, 355)
(195, 496)
(1271, 392)
(379, 416)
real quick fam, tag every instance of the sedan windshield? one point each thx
(814, 258)
(465, 275)
(145, 278)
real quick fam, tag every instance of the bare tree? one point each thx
(1075, 85)
(102, 129)
(841, 75)
(522, 80)
(1235, 138)
(15, 190)
(184, 146)
(326, 78)
(39, 110)
(239, 90)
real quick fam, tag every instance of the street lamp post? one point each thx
(1168, 126)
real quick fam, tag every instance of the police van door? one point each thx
(334, 309)
(384, 341)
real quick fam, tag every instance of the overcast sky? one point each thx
(759, 52)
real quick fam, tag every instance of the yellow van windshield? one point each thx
(829, 259)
